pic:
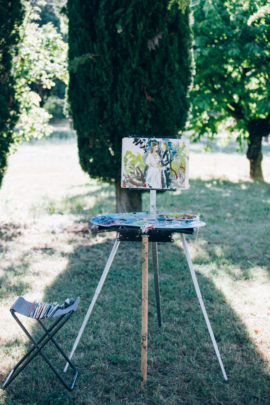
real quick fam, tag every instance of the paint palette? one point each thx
(146, 220)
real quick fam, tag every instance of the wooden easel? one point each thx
(144, 334)
(145, 251)
(144, 152)
(144, 326)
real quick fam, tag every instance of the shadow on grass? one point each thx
(80, 204)
(6, 281)
(9, 232)
(182, 367)
(236, 215)
(12, 275)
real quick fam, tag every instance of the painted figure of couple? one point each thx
(159, 164)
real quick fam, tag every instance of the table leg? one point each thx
(156, 279)
(199, 295)
(144, 310)
(97, 292)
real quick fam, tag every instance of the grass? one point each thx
(47, 254)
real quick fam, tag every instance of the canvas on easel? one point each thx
(154, 163)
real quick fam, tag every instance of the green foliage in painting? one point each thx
(11, 15)
(129, 66)
(134, 166)
(231, 85)
(179, 162)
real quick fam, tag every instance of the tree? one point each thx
(33, 65)
(231, 84)
(11, 15)
(129, 65)
(41, 59)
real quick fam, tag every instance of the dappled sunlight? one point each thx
(247, 296)
(250, 300)
(227, 167)
(110, 344)
(43, 272)
(10, 333)
(224, 161)
(41, 171)
(48, 185)
(49, 253)
(80, 204)
(15, 347)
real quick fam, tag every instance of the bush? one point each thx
(55, 107)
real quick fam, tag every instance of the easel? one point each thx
(144, 330)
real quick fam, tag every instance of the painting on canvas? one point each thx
(154, 163)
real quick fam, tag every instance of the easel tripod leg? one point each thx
(97, 292)
(144, 310)
(156, 279)
(199, 295)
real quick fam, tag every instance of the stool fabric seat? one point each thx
(39, 312)
(26, 308)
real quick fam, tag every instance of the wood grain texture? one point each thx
(144, 310)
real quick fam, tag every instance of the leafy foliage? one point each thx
(129, 74)
(42, 58)
(180, 159)
(25, 72)
(232, 56)
(11, 14)
(134, 168)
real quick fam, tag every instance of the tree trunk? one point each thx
(127, 200)
(254, 151)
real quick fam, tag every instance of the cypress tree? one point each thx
(11, 15)
(130, 68)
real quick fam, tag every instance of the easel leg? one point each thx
(156, 279)
(198, 292)
(97, 292)
(144, 309)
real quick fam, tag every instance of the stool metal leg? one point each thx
(48, 332)
(144, 309)
(156, 279)
(97, 292)
(199, 295)
(37, 349)
(23, 362)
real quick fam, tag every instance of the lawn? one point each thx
(48, 253)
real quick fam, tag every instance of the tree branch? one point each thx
(236, 111)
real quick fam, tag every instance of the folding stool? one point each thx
(63, 313)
